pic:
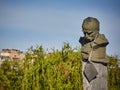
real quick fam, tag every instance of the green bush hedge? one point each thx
(56, 70)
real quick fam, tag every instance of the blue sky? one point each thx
(26, 23)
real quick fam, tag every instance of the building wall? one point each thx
(11, 53)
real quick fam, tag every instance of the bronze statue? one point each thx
(94, 46)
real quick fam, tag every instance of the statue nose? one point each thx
(86, 35)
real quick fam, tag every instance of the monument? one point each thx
(93, 50)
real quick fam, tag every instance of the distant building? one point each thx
(11, 54)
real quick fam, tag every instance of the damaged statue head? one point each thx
(90, 28)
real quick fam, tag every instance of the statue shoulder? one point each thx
(101, 40)
(102, 37)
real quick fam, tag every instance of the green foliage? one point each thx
(10, 75)
(56, 70)
(113, 73)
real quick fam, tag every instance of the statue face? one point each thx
(90, 28)
(89, 34)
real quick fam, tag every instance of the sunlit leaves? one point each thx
(54, 70)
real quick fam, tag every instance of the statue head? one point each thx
(90, 27)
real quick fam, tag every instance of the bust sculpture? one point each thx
(93, 40)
